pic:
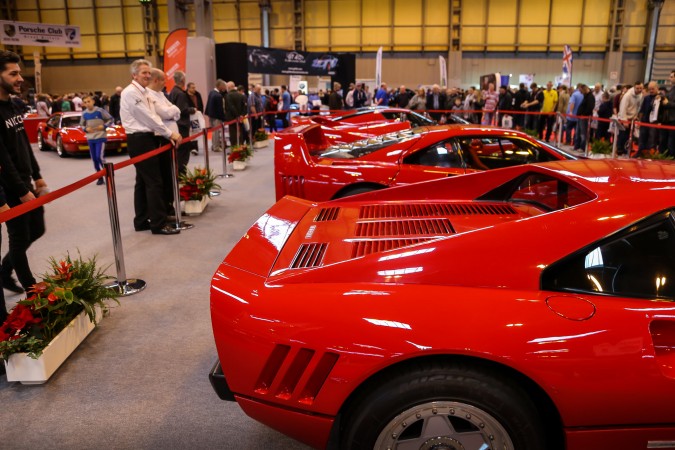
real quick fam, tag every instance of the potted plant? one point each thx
(196, 185)
(601, 148)
(59, 313)
(654, 154)
(260, 138)
(238, 156)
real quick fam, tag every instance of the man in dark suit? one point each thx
(235, 108)
(435, 102)
(179, 97)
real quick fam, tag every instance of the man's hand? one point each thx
(4, 208)
(28, 197)
(40, 184)
(176, 138)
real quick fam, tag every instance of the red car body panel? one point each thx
(65, 125)
(301, 171)
(342, 291)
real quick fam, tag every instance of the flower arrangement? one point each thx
(601, 147)
(197, 183)
(239, 153)
(654, 154)
(260, 135)
(72, 286)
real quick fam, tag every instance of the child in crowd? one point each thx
(94, 122)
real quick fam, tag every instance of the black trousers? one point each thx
(22, 231)
(183, 151)
(149, 197)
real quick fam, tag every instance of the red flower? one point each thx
(20, 316)
(64, 270)
(39, 288)
(52, 298)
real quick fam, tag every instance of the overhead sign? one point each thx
(39, 34)
(291, 62)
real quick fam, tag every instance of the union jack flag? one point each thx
(567, 60)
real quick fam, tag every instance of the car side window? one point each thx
(53, 122)
(441, 154)
(640, 262)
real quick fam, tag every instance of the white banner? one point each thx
(39, 34)
(378, 68)
(444, 71)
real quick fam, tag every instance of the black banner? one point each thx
(291, 62)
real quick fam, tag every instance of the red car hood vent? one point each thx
(433, 209)
(309, 255)
(327, 214)
(362, 248)
(413, 227)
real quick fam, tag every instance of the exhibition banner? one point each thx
(175, 54)
(277, 61)
(39, 34)
(444, 71)
(567, 65)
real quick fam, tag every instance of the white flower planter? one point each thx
(238, 165)
(261, 144)
(27, 370)
(195, 207)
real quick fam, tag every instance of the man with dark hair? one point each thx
(585, 113)
(668, 115)
(114, 105)
(19, 170)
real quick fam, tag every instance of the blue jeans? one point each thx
(581, 134)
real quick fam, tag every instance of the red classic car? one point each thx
(530, 307)
(307, 164)
(372, 115)
(62, 132)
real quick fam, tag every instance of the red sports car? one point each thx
(309, 165)
(62, 132)
(526, 308)
(372, 115)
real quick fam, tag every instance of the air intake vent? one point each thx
(362, 248)
(327, 214)
(293, 185)
(418, 227)
(433, 210)
(309, 255)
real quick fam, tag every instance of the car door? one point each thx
(438, 160)
(52, 129)
(624, 350)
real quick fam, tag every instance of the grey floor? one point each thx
(139, 381)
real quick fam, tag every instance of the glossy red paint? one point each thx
(345, 295)
(62, 132)
(306, 165)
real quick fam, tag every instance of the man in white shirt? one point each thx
(142, 125)
(169, 113)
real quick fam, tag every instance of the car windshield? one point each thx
(366, 146)
(70, 121)
(567, 155)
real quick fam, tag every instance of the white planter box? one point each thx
(27, 370)
(238, 165)
(261, 144)
(196, 207)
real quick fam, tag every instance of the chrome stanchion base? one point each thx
(180, 225)
(214, 193)
(225, 175)
(127, 287)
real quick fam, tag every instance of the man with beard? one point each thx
(19, 170)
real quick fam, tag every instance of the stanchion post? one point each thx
(213, 193)
(178, 224)
(588, 136)
(225, 173)
(559, 120)
(618, 127)
(123, 286)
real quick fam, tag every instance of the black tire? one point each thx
(41, 142)
(444, 405)
(59, 148)
(355, 190)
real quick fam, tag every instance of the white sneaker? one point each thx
(194, 152)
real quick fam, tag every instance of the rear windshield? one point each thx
(70, 121)
(367, 146)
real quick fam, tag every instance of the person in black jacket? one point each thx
(19, 170)
(179, 97)
(235, 108)
(584, 112)
(114, 105)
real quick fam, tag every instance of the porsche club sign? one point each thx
(39, 34)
